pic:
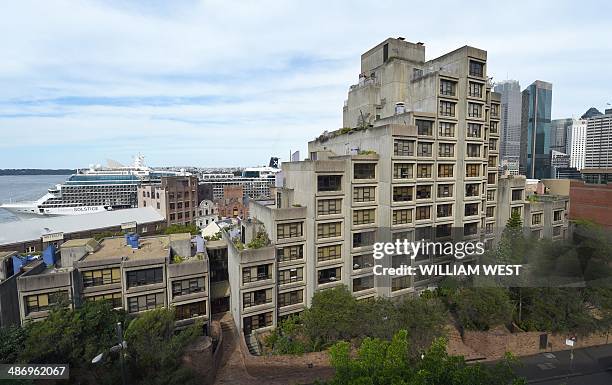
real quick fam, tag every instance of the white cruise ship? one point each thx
(92, 190)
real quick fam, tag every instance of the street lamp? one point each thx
(119, 348)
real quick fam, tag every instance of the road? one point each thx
(591, 366)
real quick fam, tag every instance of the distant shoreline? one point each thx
(35, 171)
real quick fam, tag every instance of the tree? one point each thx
(12, 341)
(331, 316)
(482, 308)
(155, 348)
(382, 362)
(511, 245)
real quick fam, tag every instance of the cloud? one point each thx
(232, 83)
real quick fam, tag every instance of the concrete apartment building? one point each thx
(417, 159)
(135, 274)
(176, 198)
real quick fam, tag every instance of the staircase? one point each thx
(252, 344)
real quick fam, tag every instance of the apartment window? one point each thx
(557, 215)
(291, 275)
(445, 190)
(364, 238)
(145, 277)
(474, 110)
(114, 298)
(190, 310)
(447, 87)
(44, 302)
(492, 161)
(402, 170)
(491, 178)
(290, 253)
(446, 129)
(329, 206)
(424, 127)
(493, 127)
(328, 253)
(490, 211)
(476, 69)
(474, 130)
(399, 283)
(328, 275)
(423, 192)
(289, 230)
(290, 298)
(256, 298)
(471, 209)
(472, 189)
(257, 322)
(470, 228)
(446, 150)
(363, 261)
(145, 302)
(101, 277)
(362, 217)
(472, 170)
(517, 195)
(364, 194)
(363, 283)
(557, 231)
(494, 110)
(447, 108)
(443, 231)
(444, 211)
(329, 183)
(424, 170)
(475, 90)
(402, 217)
(329, 230)
(424, 149)
(423, 212)
(490, 195)
(492, 144)
(489, 229)
(445, 170)
(403, 147)
(364, 170)
(402, 193)
(256, 273)
(188, 286)
(515, 211)
(473, 150)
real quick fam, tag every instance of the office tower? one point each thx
(598, 151)
(559, 131)
(576, 143)
(510, 120)
(535, 130)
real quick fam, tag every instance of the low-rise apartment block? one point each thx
(135, 274)
(176, 198)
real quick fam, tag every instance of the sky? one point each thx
(231, 83)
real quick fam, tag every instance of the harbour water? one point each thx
(15, 188)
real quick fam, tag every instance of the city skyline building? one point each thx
(536, 130)
(598, 151)
(510, 120)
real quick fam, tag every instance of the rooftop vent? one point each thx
(401, 38)
(420, 43)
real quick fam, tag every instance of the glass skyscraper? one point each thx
(510, 135)
(536, 130)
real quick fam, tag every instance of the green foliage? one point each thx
(155, 348)
(180, 229)
(216, 237)
(482, 308)
(72, 336)
(288, 338)
(177, 259)
(336, 315)
(260, 240)
(366, 152)
(107, 234)
(381, 362)
(12, 341)
(345, 130)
